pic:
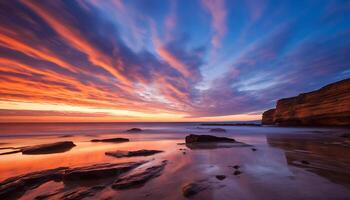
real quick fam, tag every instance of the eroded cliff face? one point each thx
(268, 117)
(328, 106)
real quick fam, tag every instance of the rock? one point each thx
(211, 142)
(192, 189)
(220, 177)
(82, 193)
(345, 135)
(134, 130)
(143, 152)
(116, 140)
(207, 138)
(139, 179)
(56, 147)
(305, 162)
(225, 124)
(217, 130)
(328, 106)
(15, 187)
(99, 171)
(237, 172)
(268, 117)
(236, 167)
(11, 152)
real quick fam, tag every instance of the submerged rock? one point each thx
(99, 171)
(217, 130)
(142, 152)
(134, 130)
(82, 193)
(139, 179)
(192, 189)
(208, 138)
(116, 140)
(56, 147)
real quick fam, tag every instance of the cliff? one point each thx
(328, 106)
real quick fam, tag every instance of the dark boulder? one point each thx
(207, 138)
(220, 177)
(56, 147)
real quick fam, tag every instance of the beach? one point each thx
(277, 163)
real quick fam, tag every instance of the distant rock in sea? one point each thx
(142, 152)
(217, 130)
(134, 130)
(111, 140)
(328, 106)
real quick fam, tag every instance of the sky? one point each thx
(165, 60)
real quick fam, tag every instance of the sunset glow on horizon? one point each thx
(165, 61)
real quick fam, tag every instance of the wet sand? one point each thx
(314, 165)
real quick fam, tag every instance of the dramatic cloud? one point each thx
(150, 60)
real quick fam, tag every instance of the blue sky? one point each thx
(180, 60)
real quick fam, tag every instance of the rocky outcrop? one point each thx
(139, 179)
(56, 147)
(99, 171)
(192, 138)
(211, 142)
(15, 187)
(328, 106)
(268, 117)
(116, 140)
(142, 152)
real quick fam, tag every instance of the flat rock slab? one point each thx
(56, 147)
(207, 138)
(211, 142)
(15, 187)
(99, 171)
(142, 152)
(116, 140)
(139, 179)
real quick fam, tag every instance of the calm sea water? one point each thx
(274, 171)
(41, 129)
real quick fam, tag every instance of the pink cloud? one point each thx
(217, 10)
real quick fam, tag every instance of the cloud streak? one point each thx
(91, 60)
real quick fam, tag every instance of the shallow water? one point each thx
(274, 171)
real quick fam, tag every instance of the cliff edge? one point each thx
(328, 106)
